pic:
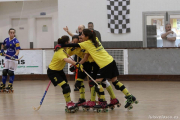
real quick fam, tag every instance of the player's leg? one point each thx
(106, 85)
(57, 79)
(113, 100)
(102, 103)
(12, 68)
(76, 58)
(4, 75)
(80, 84)
(119, 86)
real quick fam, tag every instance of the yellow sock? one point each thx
(111, 92)
(93, 93)
(67, 97)
(123, 89)
(82, 91)
(101, 93)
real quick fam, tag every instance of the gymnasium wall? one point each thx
(72, 13)
(75, 12)
(154, 61)
(31, 10)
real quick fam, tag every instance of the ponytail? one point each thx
(92, 36)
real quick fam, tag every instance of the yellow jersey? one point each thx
(57, 62)
(99, 54)
(79, 52)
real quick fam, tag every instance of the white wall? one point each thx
(75, 12)
(31, 10)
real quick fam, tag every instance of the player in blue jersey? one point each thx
(12, 45)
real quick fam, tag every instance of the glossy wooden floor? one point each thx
(155, 99)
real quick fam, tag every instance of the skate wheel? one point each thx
(130, 107)
(87, 109)
(118, 105)
(66, 110)
(98, 110)
(72, 111)
(112, 107)
(77, 108)
(136, 102)
(94, 109)
(105, 110)
(84, 109)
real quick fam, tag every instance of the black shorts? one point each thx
(56, 77)
(95, 69)
(108, 71)
(87, 66)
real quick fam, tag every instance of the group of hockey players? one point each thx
(95, 61)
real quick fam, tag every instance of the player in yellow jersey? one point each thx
(107, 64)
(81, 75)
(56, 74)
(88, 63)
(108, 68)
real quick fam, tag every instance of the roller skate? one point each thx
(9, 88)
(114, 102)
(81, 102)
(2, 87)
(89, 104)
(70, 107)
(102, 105)
(130, 100)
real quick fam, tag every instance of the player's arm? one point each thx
(163, 36)
(85, 58)
(67, 30)
(78, 65)
(172, 39)
(69, 61)
(2, 48)
(17, 52)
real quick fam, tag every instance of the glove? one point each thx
(57, 47)
(13, 57)
(72, 68)
(79, 66)
(2, 52)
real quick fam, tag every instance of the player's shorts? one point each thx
(56, 77)
(10, 64)
(87, 67)
(95, 69)
(108, 71)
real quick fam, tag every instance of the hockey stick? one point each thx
(43, 97)
(11, 56)
(84, 71)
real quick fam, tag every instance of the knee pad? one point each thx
(66, 88)
(78, 84)
(5, 72)
(91, 83)
(105, 84)
(117, 86)
(10, 73)
(97, 89)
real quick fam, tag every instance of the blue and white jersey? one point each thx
(11, 46)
